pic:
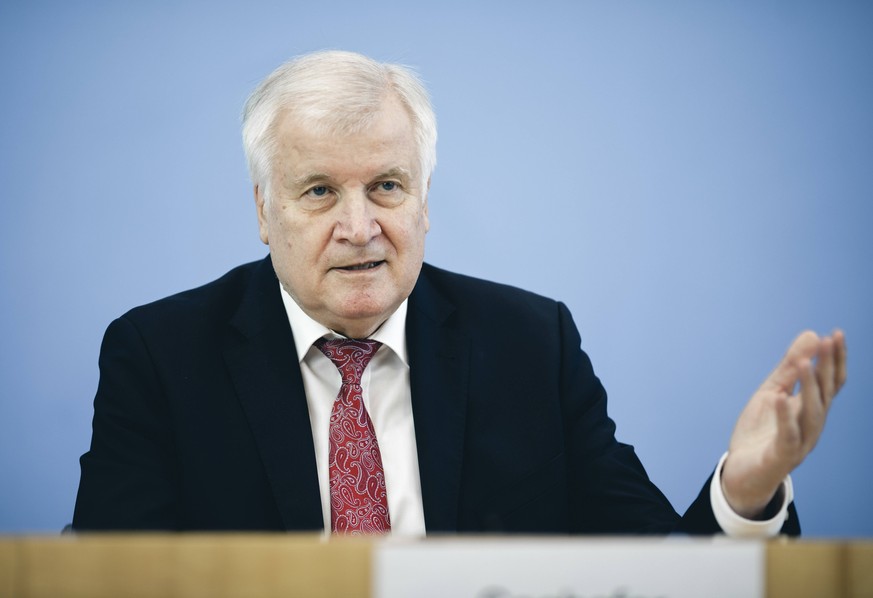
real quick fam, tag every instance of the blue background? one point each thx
(693, 179)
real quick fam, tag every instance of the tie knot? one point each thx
(349, 356)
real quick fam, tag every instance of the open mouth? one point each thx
(364, 266)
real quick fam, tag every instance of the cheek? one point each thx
(304, 244)
(412, 244)
(283, 240)
(286, 226)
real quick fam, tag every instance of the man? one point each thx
(458, 406)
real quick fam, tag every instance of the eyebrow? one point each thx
(396, 172)
(315, 177)
(320, 177)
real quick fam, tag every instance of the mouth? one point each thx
(361, 267)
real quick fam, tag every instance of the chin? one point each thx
(365, 316)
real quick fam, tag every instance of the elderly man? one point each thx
(340, 384)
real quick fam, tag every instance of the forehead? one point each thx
(380, 141)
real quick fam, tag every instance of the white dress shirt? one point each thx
(387, 377)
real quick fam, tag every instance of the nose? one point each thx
(356, 222)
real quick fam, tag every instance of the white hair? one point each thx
(336, 92)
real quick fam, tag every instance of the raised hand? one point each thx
(778, 428)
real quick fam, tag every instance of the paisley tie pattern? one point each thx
(358, 500)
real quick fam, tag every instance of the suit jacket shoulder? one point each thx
(210, 305)
(200, 418)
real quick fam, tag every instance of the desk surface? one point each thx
(304, 565)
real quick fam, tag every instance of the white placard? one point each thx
(558, 568)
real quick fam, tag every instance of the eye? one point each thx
(388, 193)
(319, 191)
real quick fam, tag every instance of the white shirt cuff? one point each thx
(739, 527)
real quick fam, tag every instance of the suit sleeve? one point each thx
(128, 476)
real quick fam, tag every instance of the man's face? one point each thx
(346, 219)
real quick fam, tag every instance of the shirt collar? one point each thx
(306, 330)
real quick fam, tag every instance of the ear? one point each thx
(424, 207)
(260, 201)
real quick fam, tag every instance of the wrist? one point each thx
(749, 496)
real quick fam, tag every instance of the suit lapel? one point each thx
(439, 358)
(262, 361)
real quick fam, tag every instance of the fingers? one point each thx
(829, 352)
(812, 404)
(831, 366)
(819, 384)
(824, 371)
(805, 346)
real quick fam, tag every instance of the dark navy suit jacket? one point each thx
(201, 423)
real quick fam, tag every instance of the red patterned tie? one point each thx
(358, 501)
